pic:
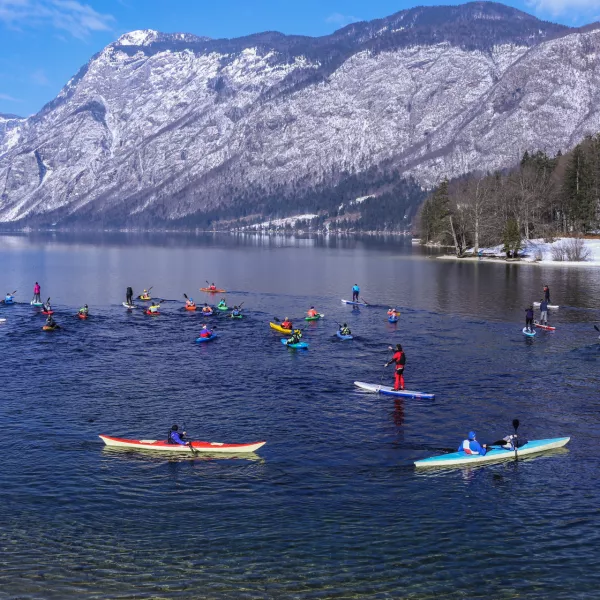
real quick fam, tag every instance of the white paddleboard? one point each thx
(388, 391)
(129, 306)
(552, 306)
(528, 333)
(2, 320)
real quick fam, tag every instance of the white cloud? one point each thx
(340, 20)
(8, 98)
(39, 77)
(557, 8)
(67, 15)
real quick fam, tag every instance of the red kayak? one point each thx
(152, 314)
(116, 442)
(545, 327)
(47, 312)
(82, 316)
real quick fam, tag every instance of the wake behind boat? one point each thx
(388, 391)
(209, 447)
(496, 454)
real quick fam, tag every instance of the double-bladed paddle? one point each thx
(516, 424)
(596, 328)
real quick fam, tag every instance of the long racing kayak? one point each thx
(116, 442)
(388, 391)
(216, 291)
(552, 306)
(354, 303)
(280, 328)
(461, 459)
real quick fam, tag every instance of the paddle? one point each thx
(189, 444)
(516, 424)
(596, 328)
(367, 303)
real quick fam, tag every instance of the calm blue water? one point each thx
(331, 507)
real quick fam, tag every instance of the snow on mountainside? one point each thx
(160, 126)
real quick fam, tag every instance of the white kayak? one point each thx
(161, 445)
(461, 459)
(553, 306)
(388, 391)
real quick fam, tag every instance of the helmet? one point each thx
(85, 306)
(174, 428)
(472, 435)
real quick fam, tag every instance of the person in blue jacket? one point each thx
(177, 438)
(355, 292)
(472, 446)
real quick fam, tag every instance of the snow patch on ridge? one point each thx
(139, 37)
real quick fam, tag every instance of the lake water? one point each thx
(332, 506)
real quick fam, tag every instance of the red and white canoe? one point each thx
(545, 327)
(116, 442)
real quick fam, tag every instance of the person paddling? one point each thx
(400, 359)
(207, 309)
(129, 296)
(205, 332)
(175, 437)
(84, 310)
(46, 307)
(50, 322)
(153, 308)
(9, 298)
(212, 287)
(543, 312)
(287, 324)
(190, 303)
(37, 290)
(295, 337)
(345, 330)
(472, 446)
(355, 292)
(312, 312)
(393, 312)
(547, 294)
(236, 312)
(529, 318)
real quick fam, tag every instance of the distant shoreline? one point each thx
(517, 261)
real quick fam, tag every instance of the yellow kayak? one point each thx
(280, 328)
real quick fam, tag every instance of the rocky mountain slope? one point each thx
(160, 127)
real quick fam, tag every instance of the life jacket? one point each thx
(205, 333)
(312, 313)
(345, 331)
(287, 324)
(466, 445)
(169, 438)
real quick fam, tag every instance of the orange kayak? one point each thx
(192, 307)
(212, 291)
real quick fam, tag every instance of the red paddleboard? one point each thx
(545, 327)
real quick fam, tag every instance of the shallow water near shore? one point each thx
(332, 506)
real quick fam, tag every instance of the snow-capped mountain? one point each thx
(159, 126)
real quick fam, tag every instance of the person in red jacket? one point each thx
(400, 359)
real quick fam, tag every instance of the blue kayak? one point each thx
(393, 319)
(300, 345)
(343, 337)
(9, 300)
(201, 340)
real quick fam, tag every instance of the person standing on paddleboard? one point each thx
(400, 359)
(543, 312)
(472, 446)
(529, 318)
(37, 290)
(547, 294)
(129, 296)
(355, 292)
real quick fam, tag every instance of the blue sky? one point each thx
(44, 42)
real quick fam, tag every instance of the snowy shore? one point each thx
(536, 252)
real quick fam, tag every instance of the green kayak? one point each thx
(320, 316)
(222, 307)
